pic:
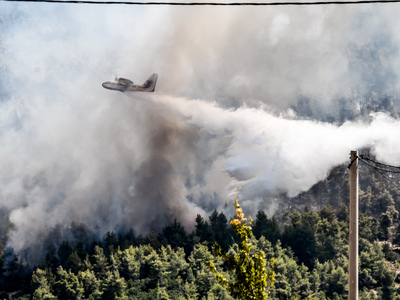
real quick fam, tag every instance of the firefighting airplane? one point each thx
(123, 84)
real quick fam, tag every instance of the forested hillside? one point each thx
(311, 254)
(308, 238)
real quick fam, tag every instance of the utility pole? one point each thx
(353, 234)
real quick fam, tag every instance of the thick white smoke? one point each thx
(225, 121)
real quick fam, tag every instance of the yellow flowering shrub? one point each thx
(253, 277)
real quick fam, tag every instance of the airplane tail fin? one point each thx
(150, 83)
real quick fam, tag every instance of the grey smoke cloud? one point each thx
(224, 122)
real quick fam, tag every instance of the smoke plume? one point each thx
(250, 103)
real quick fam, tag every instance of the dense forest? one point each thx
(310, 249)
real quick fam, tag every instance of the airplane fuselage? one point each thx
(114, 85)
(123, 85)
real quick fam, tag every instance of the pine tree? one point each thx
(100, 262)
(74, 262)
(68, 286)
(91, 285)
(131, 261)
(384, 225)
(267, 228)
(41, 285)
(396, 239)
(113, 286)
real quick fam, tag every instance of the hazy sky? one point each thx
(225, 121)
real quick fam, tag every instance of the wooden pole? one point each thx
(353, 234)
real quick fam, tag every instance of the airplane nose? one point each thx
(110, 85)
(106, 85)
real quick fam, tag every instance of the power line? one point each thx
(375, 165)
(381, 166)
(213, 3)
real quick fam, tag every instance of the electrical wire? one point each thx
(369, 162)
(381, 166)
(213, 3)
